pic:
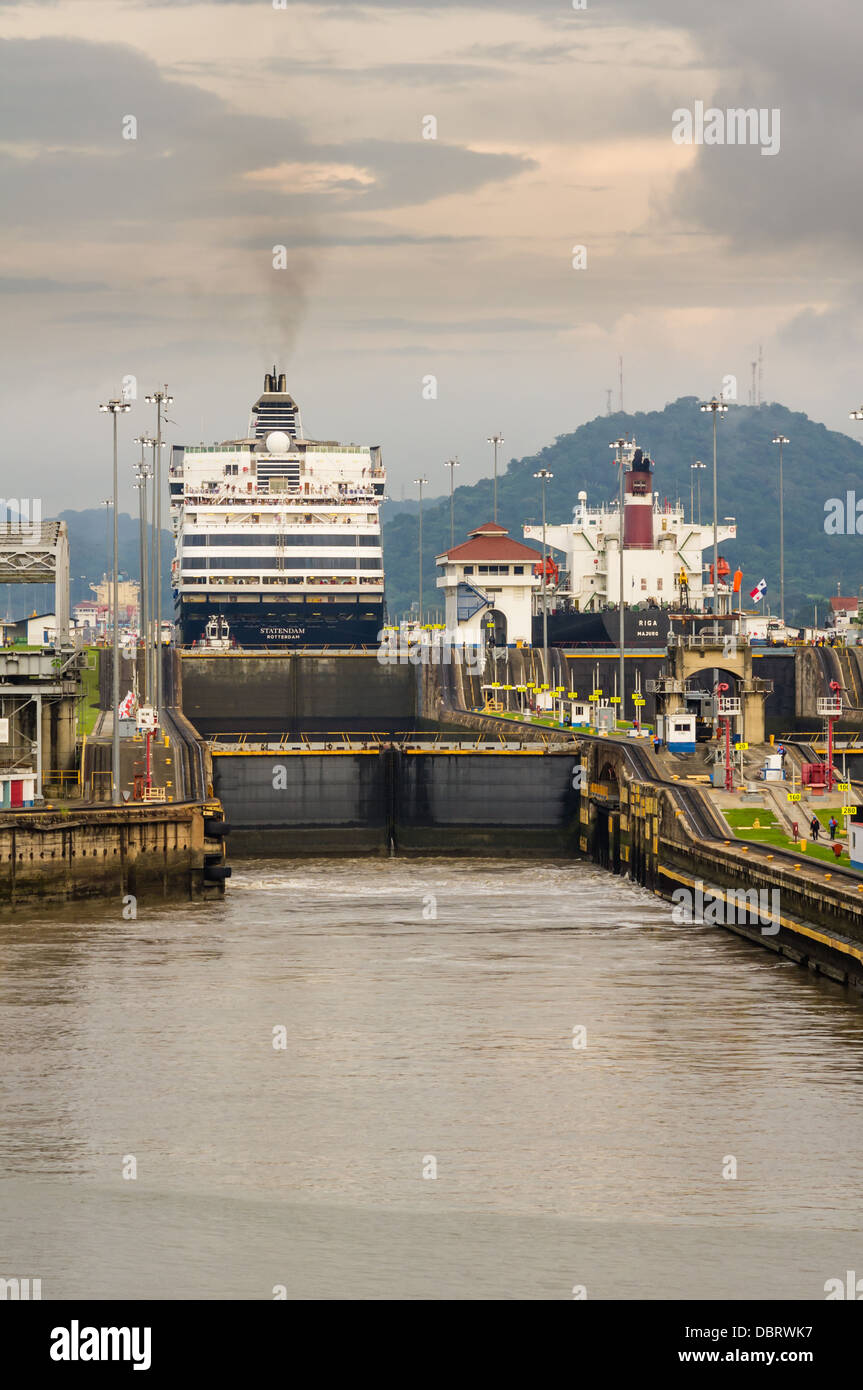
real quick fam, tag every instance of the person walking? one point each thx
(833, 826)
(814, 827)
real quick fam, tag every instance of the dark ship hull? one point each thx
(647, 627)
(284, 624)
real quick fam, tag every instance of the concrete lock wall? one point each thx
(295, 692)
(396, 801)
(86, 853)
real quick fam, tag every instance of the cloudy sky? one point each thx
(261, 126)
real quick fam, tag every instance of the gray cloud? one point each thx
(41, 284)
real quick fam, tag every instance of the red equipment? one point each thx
(552, 571)
(724, 571)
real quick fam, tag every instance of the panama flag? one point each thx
(759, 591)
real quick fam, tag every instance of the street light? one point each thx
(717, 407)
(544, 476)
(451, 464)
(421, 483)
(143, 472)
(115, 408)
(696, 467)
(619, 446)
(780, 440)
(159, 399)
(107, 503)
(496, 440)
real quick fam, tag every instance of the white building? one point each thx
(488, 582)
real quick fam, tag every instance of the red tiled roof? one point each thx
(491, 542)
(494, 548)
(843, 604)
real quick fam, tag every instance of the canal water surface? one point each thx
(390, 1079)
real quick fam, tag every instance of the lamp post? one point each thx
(619, 446)
(544, 476)
(115, 408)
(421, 482)
(107, 503)
(697, 467)
(717, 407)
(143, 473)
(496, 440)
(780, 440)
(452, 464)
(160, 399)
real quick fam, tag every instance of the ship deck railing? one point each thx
(292, 496)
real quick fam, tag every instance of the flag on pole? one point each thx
(759, 591)
(127, 706)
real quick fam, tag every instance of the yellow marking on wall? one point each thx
(786, 922)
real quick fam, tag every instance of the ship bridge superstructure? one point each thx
(663, 552)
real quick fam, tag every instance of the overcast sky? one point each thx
(409, 257)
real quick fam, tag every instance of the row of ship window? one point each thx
(296, 562)
(225, 538)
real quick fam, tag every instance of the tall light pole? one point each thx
(159, 399)
(496, 440)
(107, 503)
(115, 408)
(619, 446)
(421, 482)
(780, 440)
(451, 464)
(696, 467)
(152, 644)
(544, 476)
(717, 407)
(143, 473)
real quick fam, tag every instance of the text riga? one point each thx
(736, 126)
(76, 1343)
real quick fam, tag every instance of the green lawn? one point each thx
(768, 831)
(88, 701)
(622, 725)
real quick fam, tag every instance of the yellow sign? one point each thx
(741, 747)
(638, 699)
(844, 787)
(614, 699)
(573, 695)
(848, 810)
(794, 796)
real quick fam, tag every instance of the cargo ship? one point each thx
(663, 568)
(277, 537)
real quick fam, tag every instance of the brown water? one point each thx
(412, 1038)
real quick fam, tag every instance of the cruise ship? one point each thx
(278, 538)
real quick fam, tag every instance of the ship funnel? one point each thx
(638, 504)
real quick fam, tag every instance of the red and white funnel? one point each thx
(638, 503)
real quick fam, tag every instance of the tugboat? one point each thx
(217, 636)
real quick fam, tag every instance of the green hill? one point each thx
(819, 464)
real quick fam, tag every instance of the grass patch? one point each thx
(740, 821)
(88, 701)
